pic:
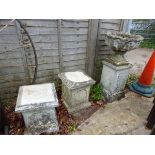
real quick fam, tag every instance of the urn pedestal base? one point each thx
(37, 104)
(113, 79)
(75, 90)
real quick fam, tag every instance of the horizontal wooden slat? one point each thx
(7, 62)
(4, 22)
(49, 38)
(102, 31)
(113, 21)
(74, 63)
(53, 38)
(110, 26)
(48, 52)
(80, 20)
(45, 79)
(49, 72)
(9, 39)
(75, 37)
(5, 47)
(73, 51)
(74, 57)
(10, 30)
(69, 23)
(39, 23)
(12, 70)
(74, 68)
(68, 31)
(46, 46)
(11, 55)
(48, 66)
(48, 60)
(41, 30)
(12, 77)
(74, 44)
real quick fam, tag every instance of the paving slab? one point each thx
(127, 116)
(138, 58)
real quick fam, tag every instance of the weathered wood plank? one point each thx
(113, 21)
(74, 44)
(73, 51)
(74, 63)
(92, 37)
(11, 77)
(10, 30)
(11, 70)
(80, 20)
(39, 23)
(69, 31)
(74, 68)
(74, 23)
(49, 72)
(11, 55)
(105, 48)
(45, 38)
(65, 45)
(5, 47)
(110, 26)
(48, 60)
(46, 79)
(48, 66)
(48, 52)
(4, 22)
(74, 57)
(7, 62)
(6, 39)
(102, 31)
(13, 83)
(74, 37)
(46, 46)
(41, 30)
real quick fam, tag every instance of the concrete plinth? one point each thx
(75, 90)
(113, 79)
(37, 104)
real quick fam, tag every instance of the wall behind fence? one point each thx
(61, 45)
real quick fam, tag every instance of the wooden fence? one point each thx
(61, 45)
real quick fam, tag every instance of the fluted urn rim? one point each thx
(124, 36)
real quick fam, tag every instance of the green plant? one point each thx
(98, 63)
(5, 102)
(148, 44)
(96, 92)
(153, 83)
(132, 78)
(72, 127)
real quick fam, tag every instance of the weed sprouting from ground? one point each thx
(96, 92)
(131, 79)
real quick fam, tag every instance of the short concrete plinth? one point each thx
(75, 90)
(37, 104)
(113, 79)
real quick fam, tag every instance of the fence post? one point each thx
(125, 25)
(60, 46)
(92, 39)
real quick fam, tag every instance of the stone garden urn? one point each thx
(115, 67)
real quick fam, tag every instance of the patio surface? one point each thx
(127, 116)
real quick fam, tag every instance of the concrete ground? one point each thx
(127, 116)
(138, 58)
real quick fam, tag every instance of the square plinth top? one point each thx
(76, 79)
(36, 96)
